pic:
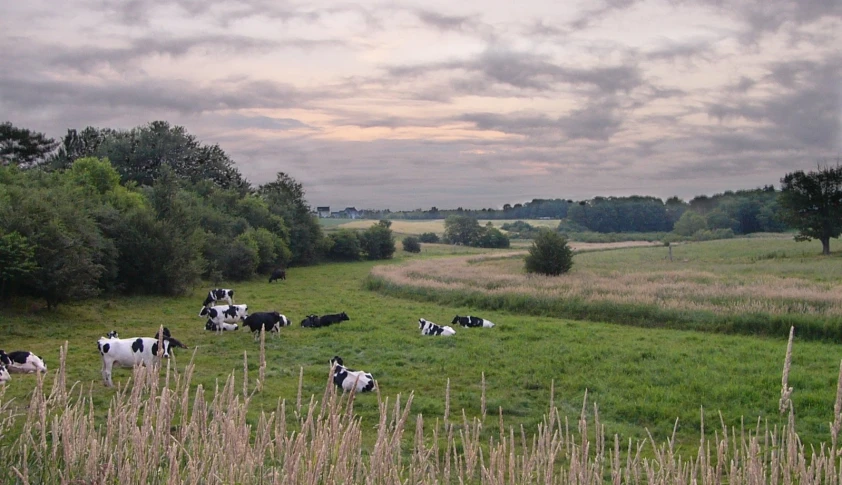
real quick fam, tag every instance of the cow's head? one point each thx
(336, 360)
(210, 326)
(111, 334)
(4, 358)
(205, 311)
(455, 319)
(421, 323)
(343, 317)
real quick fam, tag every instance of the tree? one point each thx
(689, 223)
(285, 198)
(812, 203)
(461, 230)
(428, 237)
(17, 260)
(345, 245)
(411, 244)
(376, 242)
(549, 254)
(22, 147)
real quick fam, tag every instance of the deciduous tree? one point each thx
(811, 202)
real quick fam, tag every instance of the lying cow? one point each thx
(218, 315)
(349, 379)
(271, 321)
(22, 361)
(4, 374)
(278, 274)
(214, 327)
(430, 328)
(219, 294)
(324, 320)
(470, 321)
(129, 352)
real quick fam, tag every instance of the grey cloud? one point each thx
(443, 22)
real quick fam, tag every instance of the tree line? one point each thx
(144, 211)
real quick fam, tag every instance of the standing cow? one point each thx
(219, 294)
(278, 274)
(129, 352)
(271, 321)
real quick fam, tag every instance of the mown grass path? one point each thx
(640, 378)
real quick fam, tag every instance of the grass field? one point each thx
(641, 378)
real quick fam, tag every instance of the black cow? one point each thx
(470, 321)
(219, 294)
(324, 320)
(278, 274)
(271, 321)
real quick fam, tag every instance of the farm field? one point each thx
(642, 379)
(416, 227)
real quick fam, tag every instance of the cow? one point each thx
(278, 274)
(430, 328)
(217, 315)
(22, 361)
(348, 379)
(324, 320)
(220, 327)
(470, 321)
(271, 321)
(129, 352)
(111, 334)
(219, 294)
(4, 374)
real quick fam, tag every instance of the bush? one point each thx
(549, 254)
(345, 246)
(428, 237)
(411, 244)
(376, 242)
(491, 237)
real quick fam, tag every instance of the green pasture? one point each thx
(640, 378)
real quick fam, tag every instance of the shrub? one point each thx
(491, 237)
(376, 242)
(549, 254)
(345, 246)
(428, 237)
(411, 244)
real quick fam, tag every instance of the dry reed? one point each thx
(159, 431)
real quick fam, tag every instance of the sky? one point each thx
(472, 104)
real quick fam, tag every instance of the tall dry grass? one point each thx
(680, 290)
(158, 429)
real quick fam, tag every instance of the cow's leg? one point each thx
(106, 373)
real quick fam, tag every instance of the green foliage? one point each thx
(690, 223)
(549, 254)
(622, 214)
(241, 259)
(429, 237)
(17, 260)
(376, 242)
(285, 198)
(810, 202)
(461, 230)
(491, 237)
(22, 147)
(345, 246)
(411, 244)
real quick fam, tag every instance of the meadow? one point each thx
(656, 384)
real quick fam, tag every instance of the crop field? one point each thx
(416, 227)
(644, 379)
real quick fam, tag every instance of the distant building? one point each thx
(323, 211)
(352, 213)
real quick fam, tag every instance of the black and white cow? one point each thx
(213, 327)
(4, 374)
(129, 352)
(22, 361)
(324, 320)
(222, 314)
(278, 274)
(430, 328)
(470, 321)
(219, 294)
(271, 321)
(349, 379)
